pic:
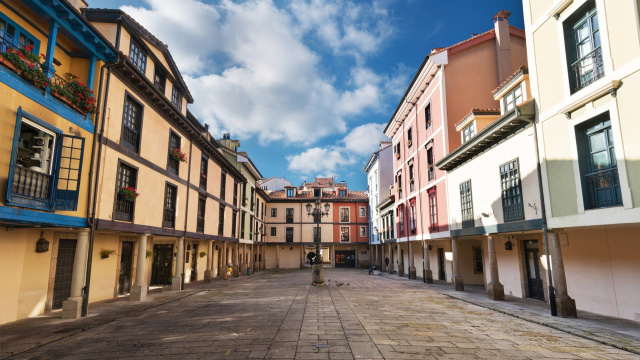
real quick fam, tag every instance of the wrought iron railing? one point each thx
(588, 69)
(30, 183)
(289, 219)
(168, 218)
(200, 224)
(124, 209)
(130, 137)
(433, 228)
(603, 189)
(431, 173)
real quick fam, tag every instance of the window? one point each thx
(400, 220)
(409, 138)
(363, 231)
(42, 157)
(431, 174)
(411, 184)
(234, 222)
(127, 177)
(363, 211)
(159, 78)
(289, 216)
(289, 234)
(173, 164)
(202, 201)
(344, 214)
(290, 192)
(223, 184)
(317, 193)
(253, 193)
(412, 216)
(584, 48)
(131, 124)
(204, 171)
(342, 193)
(274, 212)
(235, 192)
(176, 98)
(12, 35)
(427, 116)
(466, 204)
(598, 165)
(477, 260)
(169, 214)
(244, 194)
(317, 234)
(221, 221)
(511, 191)
(273, 231)
(344, 234)
(468, 132)
(433, 211)
(399, 186)
(397, 148)
(137, 56)
(242, 223)
(512, 98)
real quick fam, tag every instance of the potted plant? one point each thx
(75, 94)
(409, 143)
(178, 155)
(26, 64)
(203, 254)
(104, 253)
(397, 155)
(128, 193)
(149, 253)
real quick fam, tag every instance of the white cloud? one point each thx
(251, 73)
(364, 139)
(317, 159)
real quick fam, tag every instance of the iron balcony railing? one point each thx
(124, 209)
(168, 218)
(130, 137)
(30, 183)
(200, 225)
(588, 69)
(603, 189)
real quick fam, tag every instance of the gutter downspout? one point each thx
(96, 157)
(186, 213)
(552, 295)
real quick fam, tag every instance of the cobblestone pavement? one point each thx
(278, 315)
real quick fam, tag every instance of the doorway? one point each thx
(346, 259)
(534, 276)
(64, 272)
(194, 263)
(162, 262)
(124, 280)
(442, 274)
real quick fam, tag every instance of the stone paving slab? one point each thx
(278, 315)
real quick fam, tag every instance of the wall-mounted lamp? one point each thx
(430, 247)
(217, 248)
(188, 247)
(42, 245)
(508, 245)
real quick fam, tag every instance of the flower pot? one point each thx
(11, 50)
(104, 256)
(67, 102)
(7, 63)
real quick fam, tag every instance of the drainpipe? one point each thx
(96, 157)
(552, 295)
(186, 213)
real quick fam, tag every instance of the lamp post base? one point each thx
(317, 275)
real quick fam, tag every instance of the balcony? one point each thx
(602, 189)
(587, 69)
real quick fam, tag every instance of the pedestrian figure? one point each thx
(386, 262)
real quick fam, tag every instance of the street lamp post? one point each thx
(317, 275)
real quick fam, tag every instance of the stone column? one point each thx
(254, 255)
(458, 285)
(400, 261)
(139, 289)
(277, 256)
(391, 263)
(72, 307)
(333, 256)
(496, 290)
(428, 274)
(302, 259)
(207, 273)
(412, 264)
(357, 258)
(236, 259)
(176, 281)
(243, 263)
(222, 272)
(263, 250)
(383, 266)
(564, 303)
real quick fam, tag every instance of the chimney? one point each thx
(503, 45)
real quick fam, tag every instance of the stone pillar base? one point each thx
(458, 285)
(277, 264)
(317, 275)
(243, 269)
(235, 270)
(566, 307)
(412, 273)
(496, 291)
(222, 273)
(262, 265)
(176, 283)
(400, 270)
(428, 276)
(138, 292)
(207, 276)
(72, 308)
(390, 268)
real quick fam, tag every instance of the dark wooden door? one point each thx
(534, 277)
(346, 259)
(64, 272)
(124, 281)
(163, 260)
(194, 263)
(442, 273)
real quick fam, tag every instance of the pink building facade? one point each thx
(449, 82)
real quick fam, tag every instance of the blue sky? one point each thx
(307, 86)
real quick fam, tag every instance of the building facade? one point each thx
(584, 58)
(379, 171)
